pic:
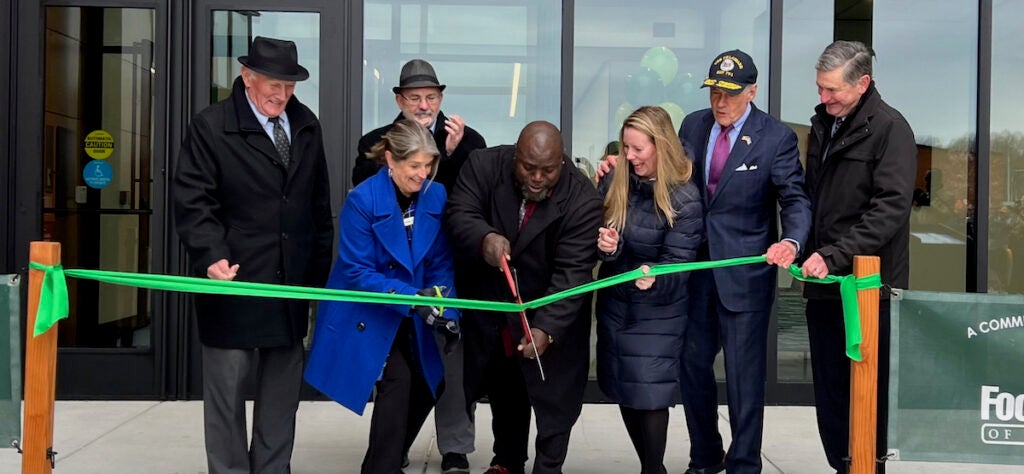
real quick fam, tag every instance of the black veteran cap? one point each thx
(731, 71)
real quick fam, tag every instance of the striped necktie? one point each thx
(284, 149)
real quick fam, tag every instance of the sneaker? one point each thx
(454, 463)
(497, 470)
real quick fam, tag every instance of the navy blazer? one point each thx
(762, 175)
(352, 340)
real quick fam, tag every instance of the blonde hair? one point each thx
(674, 167)
(406, 138)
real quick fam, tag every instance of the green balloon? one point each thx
(622, 113)
(675, 112)
(662, 61)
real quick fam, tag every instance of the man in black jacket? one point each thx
(861, 165)
(252, 203)
(419, 96)
(527, 204)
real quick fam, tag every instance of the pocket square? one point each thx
(744, 167)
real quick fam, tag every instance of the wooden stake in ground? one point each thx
(864, 374)
(40, 372)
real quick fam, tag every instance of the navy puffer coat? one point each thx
(640, 332)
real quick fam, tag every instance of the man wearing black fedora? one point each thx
(419, 96)
(251, 203)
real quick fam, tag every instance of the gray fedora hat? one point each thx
(274, 58)
(417, 73)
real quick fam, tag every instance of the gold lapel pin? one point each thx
(746, 139)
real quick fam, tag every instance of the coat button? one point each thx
(284, 199)
(361, 326)
(284, 236)
(391, 265)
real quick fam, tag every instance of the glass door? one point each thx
(99, 198)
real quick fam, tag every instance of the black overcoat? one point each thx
(557, 250)
(233, 199)
(861, 191)
(640, 332)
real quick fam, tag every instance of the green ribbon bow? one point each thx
(848, 287)
(53, 298)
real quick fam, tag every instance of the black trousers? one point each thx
(831, 370)
(401, 406)
(278, 379)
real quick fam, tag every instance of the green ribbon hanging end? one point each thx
(53, 298)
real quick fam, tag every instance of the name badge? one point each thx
(408, 221)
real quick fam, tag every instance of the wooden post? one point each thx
(864, 375)
(40, 371)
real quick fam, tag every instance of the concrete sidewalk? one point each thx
(167, 437)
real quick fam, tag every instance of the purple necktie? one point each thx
(718, 157)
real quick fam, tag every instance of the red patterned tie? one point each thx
(718, 157)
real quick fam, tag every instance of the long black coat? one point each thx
(234, 200)
(556, 250)
(861, 192)
(447, 170)
(640, 332)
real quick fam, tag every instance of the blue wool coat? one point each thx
(640, 332)
(352, 340)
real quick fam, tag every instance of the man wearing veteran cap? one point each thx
(252, 203)
(747, 165)
(419, 96)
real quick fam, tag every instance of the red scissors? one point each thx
(513, 284)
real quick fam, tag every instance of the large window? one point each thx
(926, 67)
(654, 53)
(1006, 192)
(500, 61)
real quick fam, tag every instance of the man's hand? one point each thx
(815, 266)
(606, 166)
(607, 239)
(455, 127)
(495, 247)
(781, 253)
(541, 339)
(222, 270)
(645, 283)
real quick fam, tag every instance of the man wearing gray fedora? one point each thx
(251, 203)
(419, 96)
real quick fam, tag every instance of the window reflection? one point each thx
(501, 62)
(1006, 218)
(233, 32)
(919, 39)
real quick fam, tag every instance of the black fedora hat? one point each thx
(274, 58)
(417, 73)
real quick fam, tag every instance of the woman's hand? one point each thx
(607, 239)
(645, 283)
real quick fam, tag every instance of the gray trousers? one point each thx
(455, 428)
(278, 380)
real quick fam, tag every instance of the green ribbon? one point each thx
(53, 301)
(53, 298)
(848, 287)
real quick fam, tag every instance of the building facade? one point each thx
(98, 95)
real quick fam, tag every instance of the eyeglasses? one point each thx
(415, 99)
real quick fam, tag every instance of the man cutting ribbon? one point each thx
(526, 205)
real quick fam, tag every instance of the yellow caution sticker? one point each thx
(99, 144)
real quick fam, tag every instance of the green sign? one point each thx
(10, 360)
(957, 378)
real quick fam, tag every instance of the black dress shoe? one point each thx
(706, 470)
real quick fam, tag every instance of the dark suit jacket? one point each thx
(763, 174)
(556, 250)
(233, 199)
(447, 170)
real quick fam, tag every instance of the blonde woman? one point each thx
(653, 215)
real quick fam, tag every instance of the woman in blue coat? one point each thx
(391, 241)
(653, 215)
